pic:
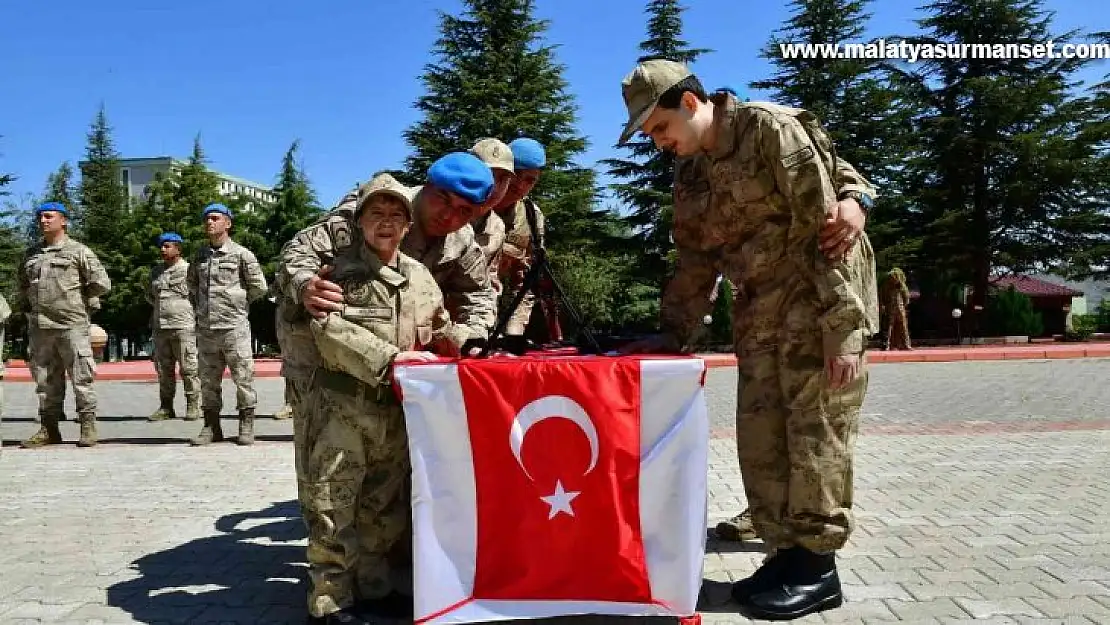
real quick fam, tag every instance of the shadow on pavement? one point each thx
(252, 571)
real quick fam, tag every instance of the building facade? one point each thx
(137, 174)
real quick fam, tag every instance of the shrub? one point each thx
(1009, 313)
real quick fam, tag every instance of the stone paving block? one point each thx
(33, 610)
(880, 591)
(955, 575)
(933, 608)
(1067, 590)
(997, 607)
(903, 577)
(1076, 606)
(925, 592)
(855, 611)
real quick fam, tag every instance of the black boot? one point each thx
(809, 584)
(765, 577)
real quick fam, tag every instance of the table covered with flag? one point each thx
(550, 485)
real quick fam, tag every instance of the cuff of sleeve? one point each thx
(298, 282)
(843, 343)
(859, 188)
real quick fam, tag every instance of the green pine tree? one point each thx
(649, 172)
(295, 208)
(59, 188)
(11, 242)
(492, 63)
(102, 217)
(862, 104)
(1004, 176)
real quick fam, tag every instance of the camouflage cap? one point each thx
(642, 87)
(494, 153)
(385, 183)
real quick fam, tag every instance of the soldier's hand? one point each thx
(322, 296)
(415, 357)
(842, 370)
(657, 344)
(844, 221)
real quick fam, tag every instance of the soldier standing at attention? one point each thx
(751, 198)
(56, 280)
(356, 447)
(224, 278)
(5, 314)
(174, 326)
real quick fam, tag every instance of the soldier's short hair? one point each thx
(672, 98)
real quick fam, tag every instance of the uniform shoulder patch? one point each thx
(798, 157)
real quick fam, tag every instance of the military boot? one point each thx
(739, 528)
(163, 413)
(284, 412)
(246, 427)
(192, 410)
(48, 434)
(88, 430)
(212, 432)
(810, 584)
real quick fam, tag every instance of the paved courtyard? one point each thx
(981, 496)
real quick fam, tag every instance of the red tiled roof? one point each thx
(1034, 287)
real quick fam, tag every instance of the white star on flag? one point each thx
(559, 501)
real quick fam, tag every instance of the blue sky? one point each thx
(340, 75)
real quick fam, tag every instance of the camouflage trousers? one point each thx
(173, 348)
(299, 358)
(352, 495)
(898, 328)
(57, 353)
(231, 349)
(795, 438)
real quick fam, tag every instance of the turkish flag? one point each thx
(549, 486)
(558, 499)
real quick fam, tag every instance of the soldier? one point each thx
(489, 230)
(174, 327)
(355, 441)
(750, 201)
(224, 278)
(529, 159)
(5, 314)
(57, 279)
(895, 298)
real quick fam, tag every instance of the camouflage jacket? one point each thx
(223, 281)
(168, 293)
(489, 234)
(516, 259)
(56, 283)
(386, 310)
(752, 209)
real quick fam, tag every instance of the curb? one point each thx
(143, 370)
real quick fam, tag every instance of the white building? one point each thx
(136, 174)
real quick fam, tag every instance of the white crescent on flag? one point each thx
(552, 407)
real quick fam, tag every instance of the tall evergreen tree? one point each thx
(102, 215)
(59, 188)
(1004, 179)
(11, 243)
(649, 172)
(296, 206)
(864, 107)
(492, 63)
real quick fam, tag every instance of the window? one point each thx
(125, 179)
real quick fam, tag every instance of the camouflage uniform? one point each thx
(175, 338)
(356, 446)
(5, 314)
(223, 281)
(56, 283)
(896, 297)
(752, 209)
(515, 260)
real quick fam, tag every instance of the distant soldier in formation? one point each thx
(896, 298)
(57, 280)
(355, 446)
(5, 314)
(173, 324)
(224, 278)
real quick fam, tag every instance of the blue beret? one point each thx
(528, 154)
(170, 237)
(217, 208)
(52, 206)
(464, 175)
